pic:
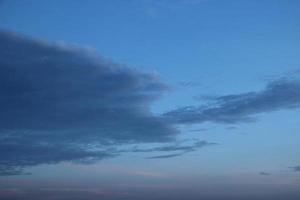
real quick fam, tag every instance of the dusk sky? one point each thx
(149, 99)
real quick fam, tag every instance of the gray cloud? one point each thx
(63, 103)
(296, 168)
(278, 95)
(52, 87)
(264, 173)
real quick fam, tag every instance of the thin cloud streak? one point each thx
(165, 156)
(236, 108)
(182, 149)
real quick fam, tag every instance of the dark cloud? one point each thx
(264, 174)
(7, 170)
(278, 95)
(57, 87)
(15, 157)
(296, 168)
(63, 103)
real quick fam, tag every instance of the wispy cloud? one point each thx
(182, 149)
(165, 156)
(296, 168)
(280, 94)
(175, 147)
(264, 173)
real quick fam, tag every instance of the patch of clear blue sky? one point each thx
(221, 46)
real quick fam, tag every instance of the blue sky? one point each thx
(123, 99)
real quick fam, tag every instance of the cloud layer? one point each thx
(62, 103)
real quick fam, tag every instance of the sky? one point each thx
(149, 99)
